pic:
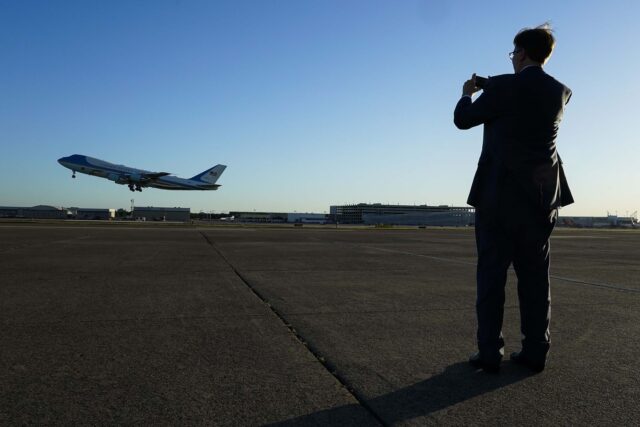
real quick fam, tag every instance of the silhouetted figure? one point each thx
(517, 189)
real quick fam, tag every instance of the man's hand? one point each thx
(469, 87)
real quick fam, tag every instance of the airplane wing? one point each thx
(155, 175)
(140, 178)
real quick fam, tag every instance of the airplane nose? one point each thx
(62, 159)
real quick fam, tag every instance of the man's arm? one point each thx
(469, 114)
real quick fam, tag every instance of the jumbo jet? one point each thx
(136, 179)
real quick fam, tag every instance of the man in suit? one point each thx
(517, 190)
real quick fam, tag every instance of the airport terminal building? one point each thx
(377, 213)
(34, 212)
(150, 213)
(280, 217)
(52, 212)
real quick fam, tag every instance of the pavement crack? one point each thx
(329, 366)
(597, 285)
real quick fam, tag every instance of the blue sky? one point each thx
(308, 103)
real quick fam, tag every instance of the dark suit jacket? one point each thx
(521, 114)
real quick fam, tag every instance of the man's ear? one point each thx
(524, 55)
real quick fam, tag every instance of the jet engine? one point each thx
(135, 178)
(118, 179)
(113, 177)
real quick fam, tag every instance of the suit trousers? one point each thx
(514, 233)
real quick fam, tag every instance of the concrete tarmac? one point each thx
(301, 326)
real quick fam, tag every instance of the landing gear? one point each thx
(135, 187)
(73, 175)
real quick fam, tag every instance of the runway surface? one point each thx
(299, 326)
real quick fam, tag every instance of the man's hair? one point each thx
(538, 43)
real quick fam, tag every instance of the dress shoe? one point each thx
(478, 362)
(521, 359)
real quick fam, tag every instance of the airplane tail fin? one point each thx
(210, 176)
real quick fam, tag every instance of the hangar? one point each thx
(35, 212)
(95, 213)
(151, 213)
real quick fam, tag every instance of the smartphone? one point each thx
(481, 82)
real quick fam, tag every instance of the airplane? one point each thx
(136, 179)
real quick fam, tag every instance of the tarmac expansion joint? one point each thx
(328, 366)
(579, 282)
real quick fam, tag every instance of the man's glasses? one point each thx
(512, 54)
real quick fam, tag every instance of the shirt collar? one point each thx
(529, 66)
